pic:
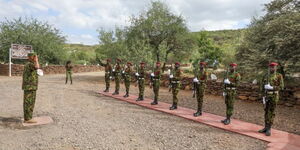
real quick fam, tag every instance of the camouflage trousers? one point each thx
(107, 80)
(156, 84)
(175, 91)
(229, 101)
(141, 87)
(200, 90)
(117, 81)
(28, 103)
(270, 109)
(127, 84)
(69, 76)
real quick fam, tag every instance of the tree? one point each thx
(273, 37)
(161, 29)
(46, 40)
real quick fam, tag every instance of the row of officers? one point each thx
(272, 83)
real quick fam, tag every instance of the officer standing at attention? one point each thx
(127, 77)
(231, 82)
(175, 77)
(117, 74)
(140, 75)
(272, 83)
(200, 85)
(108, 74)
(30, 86)
(69, 71)
(156, 82)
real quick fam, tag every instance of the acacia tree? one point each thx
(273, 37)
(46, 40)
(158, 26)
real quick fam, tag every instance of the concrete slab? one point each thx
(40, 121)
(279, 140)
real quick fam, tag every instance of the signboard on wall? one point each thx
(19, 51)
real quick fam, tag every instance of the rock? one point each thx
(243, 97)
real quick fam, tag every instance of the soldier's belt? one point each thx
(175, 81)
(230, 88)
(141, 78)
(272, 92)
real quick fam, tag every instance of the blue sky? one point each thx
(79, 19)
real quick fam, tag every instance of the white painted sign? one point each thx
(20, 51)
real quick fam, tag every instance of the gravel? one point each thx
(85, 120)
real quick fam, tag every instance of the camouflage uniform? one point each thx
(69, 68)
(230, 93)
(200, 86)
(141, 83)
(108, 74)
(272, 97)
(30, 86)
(117, 76)
(156, 84)
(127, 79)
(175, 86)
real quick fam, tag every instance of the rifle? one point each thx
(170, 80)
(151, 77)
(194, 84)
(225, 85)
(264, 99)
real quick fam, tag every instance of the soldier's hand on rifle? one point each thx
(269, 87)
(137, 74)
(195, 80)
(171, 76)
(226, 81)
(152, 74)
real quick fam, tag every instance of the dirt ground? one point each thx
(85, 120)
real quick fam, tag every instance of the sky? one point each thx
(79, 19)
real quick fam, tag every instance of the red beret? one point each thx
(203, 63)
(233, 64)
(129, 63)
(142, 63)
(158, 62)
(177, 63)
(108, 59)
(119, 60)
(273, 64)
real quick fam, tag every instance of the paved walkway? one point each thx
(279, 140)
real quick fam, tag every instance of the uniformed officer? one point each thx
(30, 86)
(108, 74)
(231, 82)
(175, 77)
(117, 75)
(272, 83)
(126, 73)
(140, 75)
(69, 68)
(155, 77)
(200, 85)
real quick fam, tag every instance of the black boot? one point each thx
(154, 102)
(116, 93)
(126, 95)
(198, 113)
(226, 121)
(268, 131)
(139, 98)
(174, 106)
(263, 130)
(106, 90)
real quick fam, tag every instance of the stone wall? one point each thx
(17, 70)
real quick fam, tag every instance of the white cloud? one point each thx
(82, 17)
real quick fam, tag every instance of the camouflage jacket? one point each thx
(108, 67)
(201, 76)
(141, 72)
(234, 78)
(118, 69)
(157, 73)
(275, 80)
(177, 75)
(69, 68)
(127, 73)
(30, 77)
